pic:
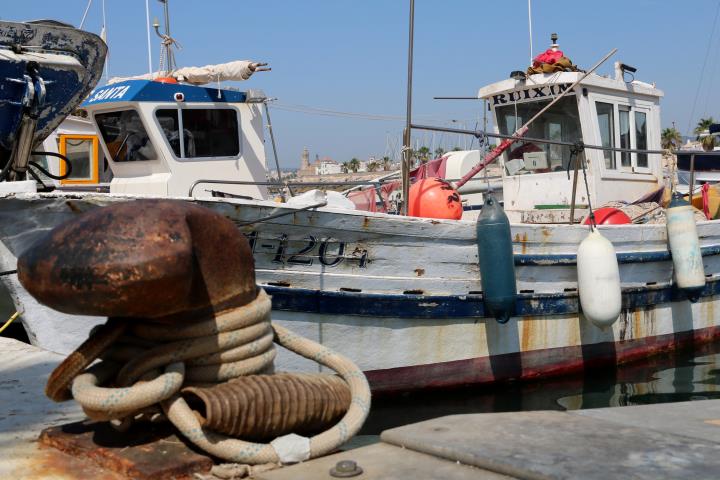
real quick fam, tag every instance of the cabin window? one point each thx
(629, 126)
(641, 142)
(125, 136)
(625, 160)
(606, 121)
(82, 153)
(168, 120)
(205, 132)
(561, 122)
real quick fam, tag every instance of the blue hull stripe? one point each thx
(457, 306)
(628, 257)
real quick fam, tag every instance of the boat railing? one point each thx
(354, 184)
(359, 183)
(481, 134)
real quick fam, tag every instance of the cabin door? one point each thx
(82, 152)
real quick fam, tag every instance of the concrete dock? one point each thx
(677, 440)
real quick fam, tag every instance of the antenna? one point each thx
(149, 45)
(530, 29)
(103, 35)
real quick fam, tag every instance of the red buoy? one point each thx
(166, 80)
(609, 216)
(434, 198)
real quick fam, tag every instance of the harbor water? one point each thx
(689, 374)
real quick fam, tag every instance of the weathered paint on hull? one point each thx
(531, 365)
(400, 354)
(405, 301)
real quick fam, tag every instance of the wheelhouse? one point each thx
(167, 138)
(600, 110)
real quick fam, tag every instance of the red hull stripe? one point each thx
(531, 364)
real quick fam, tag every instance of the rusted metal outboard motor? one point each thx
(188, 335)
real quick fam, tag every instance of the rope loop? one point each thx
(146, 365)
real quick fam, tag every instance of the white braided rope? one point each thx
(232, 344)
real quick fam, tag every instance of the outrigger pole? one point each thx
(520, 132)
(406, 154)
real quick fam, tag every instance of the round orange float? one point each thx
(434, 198)
(609, 216)
(166, 80)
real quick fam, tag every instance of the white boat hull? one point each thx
(402, 296)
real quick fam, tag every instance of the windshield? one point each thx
(207, 132)
(560, 122)
(125, 136)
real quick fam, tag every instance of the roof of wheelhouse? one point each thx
(154, 91)
(544, 81)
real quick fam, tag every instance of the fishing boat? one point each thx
(408, 297)
(696, 166)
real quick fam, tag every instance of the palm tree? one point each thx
(671, 138)
(372, 166)
(423, 154)
(386, 163)
(345, 167)
(354, 165)
(439, 152)
(703, 125)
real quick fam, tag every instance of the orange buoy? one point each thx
(166, 80)
(434, 198)
(609, 216)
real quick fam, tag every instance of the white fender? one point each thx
(599, 280)
(685, 246)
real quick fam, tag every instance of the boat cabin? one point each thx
(601, 110)
(77, 139)
(166, 138)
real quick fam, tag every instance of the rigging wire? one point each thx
(337, 113)
(87, 8)
(714, 67)
(702, 71)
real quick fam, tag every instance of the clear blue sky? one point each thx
(351, 55)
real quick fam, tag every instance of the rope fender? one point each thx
(152, 363)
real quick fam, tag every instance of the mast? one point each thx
(103, 35)
(408, 119)
(147, 27)
(166, 52)
(530, 29)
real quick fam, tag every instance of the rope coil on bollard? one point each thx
(152, 364)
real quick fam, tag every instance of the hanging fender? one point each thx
(497, 265)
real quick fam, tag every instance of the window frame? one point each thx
(179, 109)
(94, 160)
(101, 139)
(632, 105)
(504, 158)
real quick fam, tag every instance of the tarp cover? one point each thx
(231, 71)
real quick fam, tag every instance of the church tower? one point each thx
(305, 160)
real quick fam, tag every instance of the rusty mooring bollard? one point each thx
(147, 258)
(187, 321)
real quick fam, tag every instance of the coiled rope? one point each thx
(228, 345)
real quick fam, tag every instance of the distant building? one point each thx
(305, 167)
(329, 167)
(324, 166)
